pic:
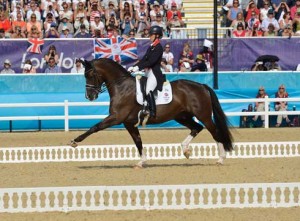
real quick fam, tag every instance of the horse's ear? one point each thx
(84, 62)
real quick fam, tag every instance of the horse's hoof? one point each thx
(220, 162)
(187, 153)
(138, 167)
(73, 144)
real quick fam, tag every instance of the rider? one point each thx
(151, 64)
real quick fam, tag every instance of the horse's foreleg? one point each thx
(107, 122)
(222, 154)
(135, 134)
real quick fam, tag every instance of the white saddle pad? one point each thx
(163, 97)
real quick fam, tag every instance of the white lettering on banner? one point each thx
(64, 62)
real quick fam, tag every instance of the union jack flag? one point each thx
(35, 45)
(118, 49)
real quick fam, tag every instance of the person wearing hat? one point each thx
(151, 63)
(270, 20)
(199, 64)
(7, 68)
(156, 10)
(107, 4)
(97, 24)
(82, 32)
(168, 4)
(159, 22)
(66, 33)
(174, 12)
(78, 67)
(65, 23)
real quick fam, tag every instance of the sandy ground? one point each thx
(157, 172)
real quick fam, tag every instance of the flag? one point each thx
(118, 49)
(35, 45)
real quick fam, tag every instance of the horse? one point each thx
(190, 99)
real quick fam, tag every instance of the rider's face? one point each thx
(152, 38)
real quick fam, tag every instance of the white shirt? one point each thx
(168, 56)
(75, 70)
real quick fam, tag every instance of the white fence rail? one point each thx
(205, 196)
(66, 104)
(153, 152)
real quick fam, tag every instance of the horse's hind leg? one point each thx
(211, 127)
(135, 134)
(195, 128)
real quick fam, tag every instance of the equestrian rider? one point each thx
(151, 64)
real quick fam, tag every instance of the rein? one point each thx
(105, 86)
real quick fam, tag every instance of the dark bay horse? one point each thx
(190, 99)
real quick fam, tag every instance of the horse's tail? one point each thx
(221, 121)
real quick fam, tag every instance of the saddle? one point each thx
(161, 97)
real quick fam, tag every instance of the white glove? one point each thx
(135, 69)
(130, 69)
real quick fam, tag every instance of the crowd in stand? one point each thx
(87, 18)
(263, 17)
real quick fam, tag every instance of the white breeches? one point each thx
(260, 107)
(279, 117)
(151, 81)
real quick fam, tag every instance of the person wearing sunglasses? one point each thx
(260, 106)
(281, 105)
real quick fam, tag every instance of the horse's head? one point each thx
(94, 80)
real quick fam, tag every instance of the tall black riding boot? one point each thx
(151, 102)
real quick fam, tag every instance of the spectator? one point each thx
(78, 67)
(52, 53)
(65, 23)
(251, 8)
(19, 10)
(113, 21)
(141, 17)
(125, 7)
(260, 106)
(28, 68)
(239, 19)
(7, 68)
(82, 33)
(287, 31)
(281, 10)
(295, 9)
(145, 33)
(263, 12)
(296, 22)
(159, 22)
(97, 34)
(259, 66)
(52, 32)
(112, 9)
(34, 33)
(270, 20)
(19, 22)
(49, 22)
(81, 20)
(94, 8)
(186, 59)
(255, 32)
(127, 25)
(207, 53)
(60, 6)
(174, 12)
(106, 4)
(155, 11)
(252, 21)
(240, 32)
(66, 33)
(5, 23)
(52, 67)
(80, 12)
(165, 67)
(281, 105)
(33, 10)
(51, 10)
(33, 22)
(168, 4)
(232, 13)
(76, 3)
(17, 33)
(2, 33)
(168, 55)
(66, 12)
(286, 20)
(270, 31)
(273, 66)
(199, 65)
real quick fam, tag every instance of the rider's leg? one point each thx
(150, 87)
